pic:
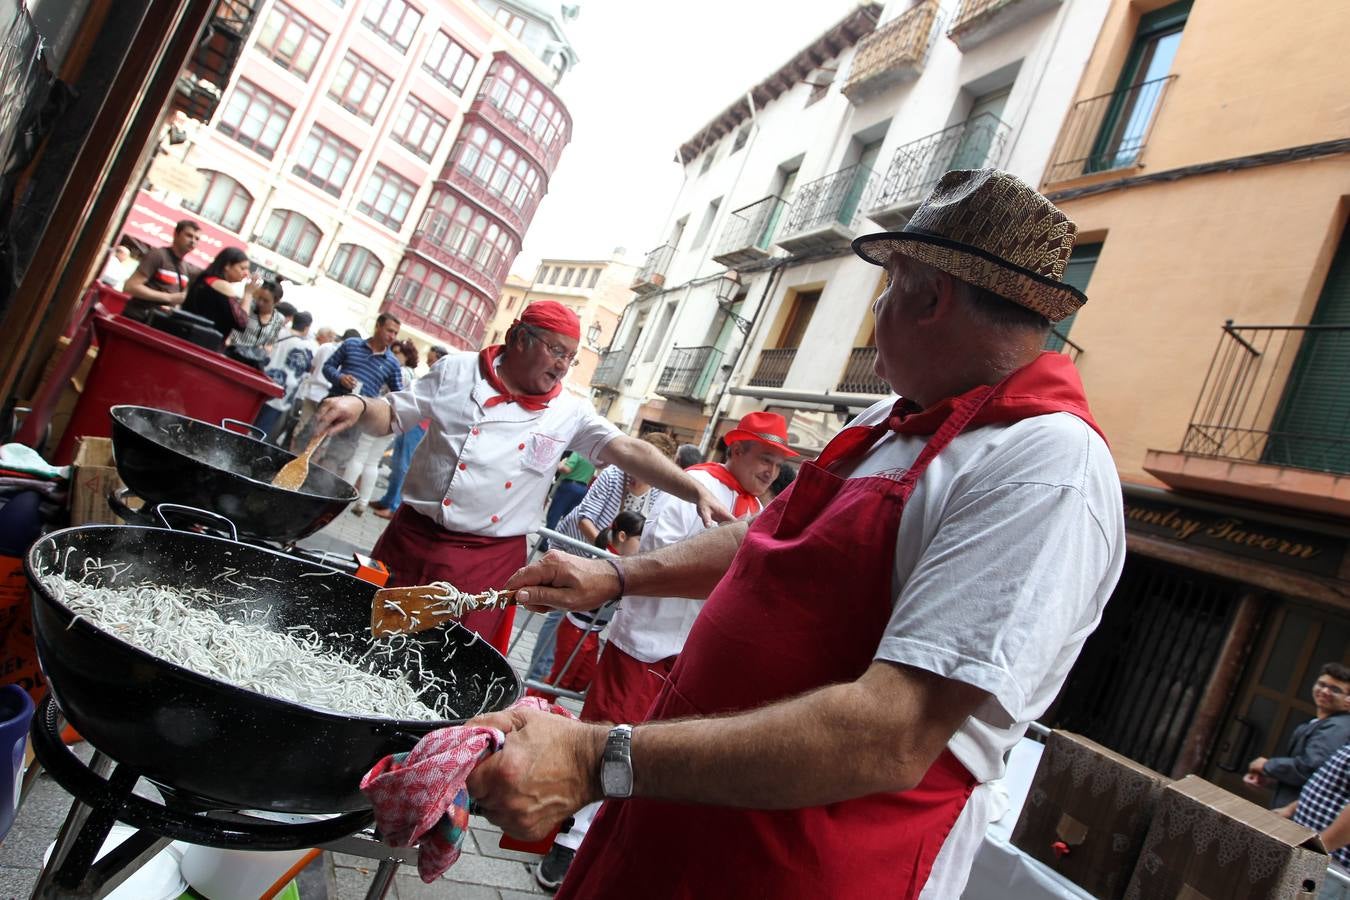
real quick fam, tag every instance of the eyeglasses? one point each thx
(1329, 688)
(557, 351)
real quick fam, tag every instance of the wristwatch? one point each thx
(616, 767)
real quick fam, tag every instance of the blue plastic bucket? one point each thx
(16, 715)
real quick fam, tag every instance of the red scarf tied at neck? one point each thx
(487, 364)
(746, 502)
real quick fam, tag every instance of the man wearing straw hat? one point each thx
(877, 639)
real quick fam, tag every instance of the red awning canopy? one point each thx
(151, 221)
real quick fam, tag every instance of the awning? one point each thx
(151, 221)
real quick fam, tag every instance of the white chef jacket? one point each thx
(653, 628)
(487, 471)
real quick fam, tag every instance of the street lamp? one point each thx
(593, 335)
(728, 288)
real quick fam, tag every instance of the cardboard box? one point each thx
(1208, 844)
(1087, 813)
(95, 478)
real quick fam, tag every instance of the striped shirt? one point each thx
(1324, 796)
(605, 499)
(256, 334)
(374, 370)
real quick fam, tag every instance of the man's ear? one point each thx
(936, 304)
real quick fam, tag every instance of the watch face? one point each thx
(616, 778)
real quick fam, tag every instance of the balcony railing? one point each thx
(1107, 132)
(652, 275)
(748, 235)
(824, 211)
(917, 166)
(610, 370)
(689, 373)
(772, 367)
(860, 375)
(893, 53)
(979, 20)
(1276, 394)
(1060, 343)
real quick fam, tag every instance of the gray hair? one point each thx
(989, 308)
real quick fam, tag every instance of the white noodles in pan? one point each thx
(244, 650)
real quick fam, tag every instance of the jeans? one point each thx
(268, 418)
(404, 445)
(545, 646)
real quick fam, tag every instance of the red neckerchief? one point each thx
(610, 548)
(1047, 384)
(487, 364)
(746, 502)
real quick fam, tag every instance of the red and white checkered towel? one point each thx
(419, 797)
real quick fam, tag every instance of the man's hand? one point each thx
(176, 298)
(710, 510)
(549, 769)
(337, 414)
(1257, 766)
(348, 382)
(560, 580)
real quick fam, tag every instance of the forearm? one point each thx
(588, 530)
(644, 461)
(377, 417)
(142, 291)
(1337, 834)
(690, 568)
(879, 733)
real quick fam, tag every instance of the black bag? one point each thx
(256, 357)
(187, 326)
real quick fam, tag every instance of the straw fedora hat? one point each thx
(992, 230)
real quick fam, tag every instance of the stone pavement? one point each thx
(484, 872)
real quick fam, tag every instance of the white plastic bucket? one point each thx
(236, 874)
(158, 879)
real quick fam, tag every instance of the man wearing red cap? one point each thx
(875, 642)
(647, 633)
(499, 423)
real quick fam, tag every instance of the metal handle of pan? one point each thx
(253, 431)
(117, 503)
(193, 511)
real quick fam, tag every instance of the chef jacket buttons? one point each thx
(494, 519)
(521, 447)
(462, 467)
(473, 431)
(445, 502)
(508, 485)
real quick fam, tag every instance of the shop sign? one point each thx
(152, 222)
(1292, 548)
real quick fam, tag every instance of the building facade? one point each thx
(847, 137)
(387, 155)
(597, 290)
(1212, 204)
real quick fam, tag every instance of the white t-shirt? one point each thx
(1007, 552)
(316, 387)
(653, 628)
(486, 470)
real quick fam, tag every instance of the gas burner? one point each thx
(103, 795)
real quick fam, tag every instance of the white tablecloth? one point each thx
(1001, 871)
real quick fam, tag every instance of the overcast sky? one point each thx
(651, 74)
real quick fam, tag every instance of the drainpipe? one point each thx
(770, 283)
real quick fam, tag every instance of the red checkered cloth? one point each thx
(419, 797)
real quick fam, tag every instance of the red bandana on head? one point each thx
(746, 502)
(550, 315)
(487, 364)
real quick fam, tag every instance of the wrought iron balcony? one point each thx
(771, 368)
(1060, 343)
(689, 373)
(895, 52)
(824, 212)
(860, 375)
(979, 20)
(917, 166)
(610, 370)
(652, 275)
(1270, 398)
(1107, 132)
(748, 235)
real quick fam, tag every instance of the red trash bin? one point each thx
(144, 366)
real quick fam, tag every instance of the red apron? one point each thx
(788, 618)
(418, 551)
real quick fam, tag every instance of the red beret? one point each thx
(551, 315)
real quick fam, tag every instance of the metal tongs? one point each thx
(408, 610)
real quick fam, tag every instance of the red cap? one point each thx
(551, 315)
(769, 429)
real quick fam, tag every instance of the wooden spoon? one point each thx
(292, 475)
(408, 610)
